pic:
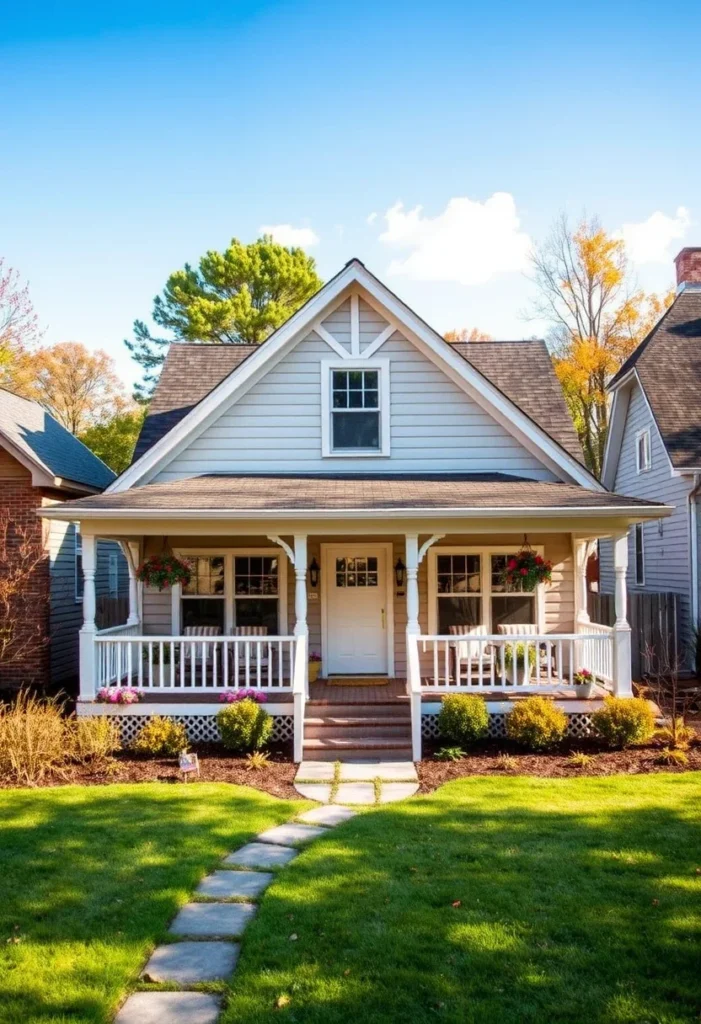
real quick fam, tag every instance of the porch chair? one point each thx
(470, 653)
(264, 657)
(526, 629)
(192, 631)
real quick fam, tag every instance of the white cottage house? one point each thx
(354, 488)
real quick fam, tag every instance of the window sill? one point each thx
(355, 453)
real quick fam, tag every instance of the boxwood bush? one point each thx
(536, 723)
(244, 726)
(623, 721)
(463, 718)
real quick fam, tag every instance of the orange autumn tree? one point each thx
(465, 334)
(598, 316)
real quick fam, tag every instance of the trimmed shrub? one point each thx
(463, 718)
(623, 721)
(93, 740)
(161, 737)
(536, 723)
(244, 726)
(32, 740)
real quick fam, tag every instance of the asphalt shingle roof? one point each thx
(522, 370)
(668, 363)
(353, 491)
(43, 440)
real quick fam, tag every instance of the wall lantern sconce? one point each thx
(314, 572)
(399, 571)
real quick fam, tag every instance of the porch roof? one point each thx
(219, 496)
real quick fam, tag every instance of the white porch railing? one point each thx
(174, 664)
(537, 663)
(300, 687)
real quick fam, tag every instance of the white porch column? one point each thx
(622, 682)
(300, 548)
(132, 564)
(412, 583)
(581, 555)
(88, 654)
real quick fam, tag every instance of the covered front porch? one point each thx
(397, 619)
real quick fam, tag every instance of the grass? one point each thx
(492, 901)
(90, 877)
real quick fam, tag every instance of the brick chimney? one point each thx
(688, 264)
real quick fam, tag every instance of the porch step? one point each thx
(347, 728)
(391, 748)
(392, 709)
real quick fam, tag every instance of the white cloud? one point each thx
(650, 240)
(285, 234)
(371, 218)
(469, 242)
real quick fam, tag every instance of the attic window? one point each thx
(355, 408)
(642, 449)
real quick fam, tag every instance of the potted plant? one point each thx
(163, 570)
(518, 664)
(314, 666)
(584, 683)
(525, 570)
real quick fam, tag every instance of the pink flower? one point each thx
(524, 572)
(511, 564)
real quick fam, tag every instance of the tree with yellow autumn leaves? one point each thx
(586, 291)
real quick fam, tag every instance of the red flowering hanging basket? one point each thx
(163, 571)
(525, 570)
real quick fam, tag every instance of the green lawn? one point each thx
(90, 878)
(579, 902)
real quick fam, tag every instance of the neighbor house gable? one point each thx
(343, 318)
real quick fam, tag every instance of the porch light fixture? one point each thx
(399, 570)
(314, 572)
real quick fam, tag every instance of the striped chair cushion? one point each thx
(250, 631)
(202, 631)
(518, 629)
(466, 650)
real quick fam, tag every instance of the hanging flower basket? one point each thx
(163, 571)
(525, 570)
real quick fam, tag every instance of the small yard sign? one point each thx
(189, 764)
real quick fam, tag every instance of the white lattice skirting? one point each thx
(578, 725)
(200, 728)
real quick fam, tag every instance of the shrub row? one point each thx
(538, 724)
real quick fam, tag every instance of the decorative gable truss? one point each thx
(354, 314)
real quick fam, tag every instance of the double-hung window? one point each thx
(233, 589)
(642, 451)
(256, 591)
(471, 591)
(355, 408)
(204, 596)
(511, 605)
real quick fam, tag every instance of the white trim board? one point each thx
(355, 276)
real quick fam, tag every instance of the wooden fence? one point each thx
(654, 622)
(111, 611)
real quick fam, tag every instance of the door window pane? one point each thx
(356, 572)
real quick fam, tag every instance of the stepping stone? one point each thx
(285, 835)
(225, 884)
(315, 771)
(392, 791)
(190, 962)
(314, 791)
(213, 919)
(388, 771)
(169, 1008)
(261, 855)
(356, 793)
(332, 814)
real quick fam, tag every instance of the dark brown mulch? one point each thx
(215, 766)
(488, 760)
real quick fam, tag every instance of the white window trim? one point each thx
(77, 550)
(486, 585)
(639, 466)
(638, 531)
(383, 368)
(229, 554)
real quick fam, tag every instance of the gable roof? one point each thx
(354, 275)
(522, 370)
(668, 366)
(39, 442)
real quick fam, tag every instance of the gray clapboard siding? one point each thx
(66, 613)
(338, 324)
(276, 426)
(666, 544)
(371, 324)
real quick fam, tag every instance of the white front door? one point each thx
(356, 611)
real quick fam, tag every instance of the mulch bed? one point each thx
(488, 760)
(215, 766)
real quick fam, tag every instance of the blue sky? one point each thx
(135, 136)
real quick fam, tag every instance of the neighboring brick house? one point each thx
(42, 464)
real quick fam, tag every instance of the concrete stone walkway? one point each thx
(207, 934)
(356, 782)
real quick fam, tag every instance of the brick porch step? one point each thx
(328, 748)
(352, 728)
